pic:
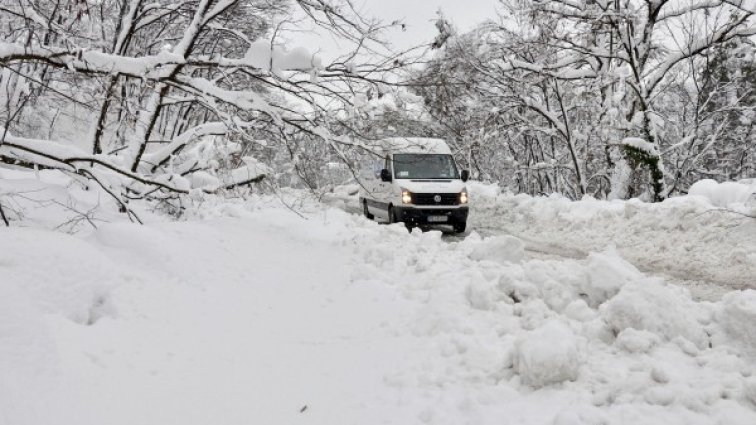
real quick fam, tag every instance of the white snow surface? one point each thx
(641, 144)
(707, 236)
(247, 312)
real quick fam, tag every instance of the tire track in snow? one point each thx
(700, 289)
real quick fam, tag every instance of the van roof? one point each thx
(414, 145)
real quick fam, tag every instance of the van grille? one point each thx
(429, 198)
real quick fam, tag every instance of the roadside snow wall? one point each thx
(709, 235)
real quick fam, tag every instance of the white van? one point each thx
(415, 181)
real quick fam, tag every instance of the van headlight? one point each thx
(463, 197)
(406, 196)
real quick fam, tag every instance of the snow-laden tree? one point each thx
(594, 97)
(157, 98)
(643, 45)
(511, 121)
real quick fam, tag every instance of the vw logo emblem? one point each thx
(437, 198)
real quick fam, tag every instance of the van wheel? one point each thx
(391, 215)
(460, 227)
(365, 211)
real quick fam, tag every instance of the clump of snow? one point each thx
(607, 274)
(579, 310)
(636, 341)
(737, 317)
(651, 306)
(203, 179)
(533, 313)
(660, 396)
(250, 170)
(660, 375)
(547, 355)
(266, 55)
(482, 295)
(723, 195)
(501, 249)
(641, 144)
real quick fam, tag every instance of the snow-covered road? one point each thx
(701, 289)
(249, 313)
(685, 241)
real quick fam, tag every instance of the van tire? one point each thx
(391, 215)
(460, 227)
(366, 212)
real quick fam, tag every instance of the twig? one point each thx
(2, 215)
(129, 213)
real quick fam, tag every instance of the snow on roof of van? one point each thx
(414, 145)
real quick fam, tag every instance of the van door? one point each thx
(372, 186)
(384, 192)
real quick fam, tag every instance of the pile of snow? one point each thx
(690, 237)
(662, 310)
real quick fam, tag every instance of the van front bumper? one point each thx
(420, 216)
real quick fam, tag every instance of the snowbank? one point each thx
(688, 237)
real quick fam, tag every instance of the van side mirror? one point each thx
(465, 175)
(385, 175)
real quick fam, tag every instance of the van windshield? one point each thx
(424, 166)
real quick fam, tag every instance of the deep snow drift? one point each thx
(248, 313)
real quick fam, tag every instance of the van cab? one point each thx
(415, 181)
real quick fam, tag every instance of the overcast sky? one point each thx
(419, 15)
